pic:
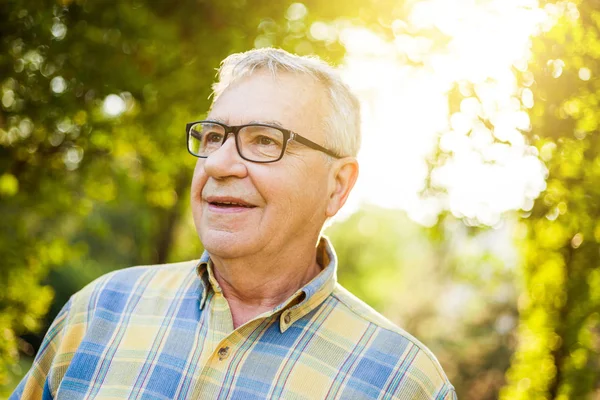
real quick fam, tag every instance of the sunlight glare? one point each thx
(490, 169)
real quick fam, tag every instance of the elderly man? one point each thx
(260, 315)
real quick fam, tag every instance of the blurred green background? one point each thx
(94, 177)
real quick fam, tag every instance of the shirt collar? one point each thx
(303, 301)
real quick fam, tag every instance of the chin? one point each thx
(228, 244)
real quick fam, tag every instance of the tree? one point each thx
(557, 355)
(95, 96)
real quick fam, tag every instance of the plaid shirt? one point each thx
(166, 332)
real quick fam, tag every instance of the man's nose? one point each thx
(225, 161)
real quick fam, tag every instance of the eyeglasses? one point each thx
(261, 143)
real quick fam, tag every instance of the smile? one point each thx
(228, 204)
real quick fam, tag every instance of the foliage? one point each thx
(78, 182)
(557, 355)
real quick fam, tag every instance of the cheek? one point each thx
(278, 188)
(198, 180)
(297, 192)
(197, 184)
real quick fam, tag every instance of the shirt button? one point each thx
(287, 318)
(223, 353)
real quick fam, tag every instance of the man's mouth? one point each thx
(228, 203)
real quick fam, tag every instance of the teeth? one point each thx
(223, 203)
(229, 203)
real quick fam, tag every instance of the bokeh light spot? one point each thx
(296, 11)
(585, 74)
(58, 84)
(59, 30)
(8, 98)
(113, 105)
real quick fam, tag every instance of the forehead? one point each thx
(296, 101)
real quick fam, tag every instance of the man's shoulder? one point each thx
(390, 335)
(130, 275)
(147, 279)
(364, 311)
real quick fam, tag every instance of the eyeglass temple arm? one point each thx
(312, 145)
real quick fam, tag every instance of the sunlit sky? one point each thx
(405, 110)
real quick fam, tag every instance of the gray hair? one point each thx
(344, 116)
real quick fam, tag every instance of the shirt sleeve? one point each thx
(36, 383)
(451, 395)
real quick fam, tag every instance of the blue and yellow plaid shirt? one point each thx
(166, 332)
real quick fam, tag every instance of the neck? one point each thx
(254, 286)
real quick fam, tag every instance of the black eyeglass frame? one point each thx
(287, 137)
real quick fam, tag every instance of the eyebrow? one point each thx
(221, 120)
(269, 122)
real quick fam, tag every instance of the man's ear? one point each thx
(343, 175)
